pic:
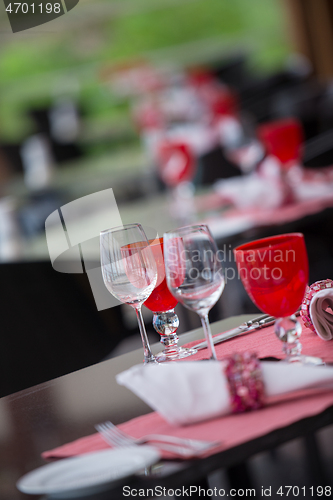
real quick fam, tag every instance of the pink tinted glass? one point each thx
(160, 300)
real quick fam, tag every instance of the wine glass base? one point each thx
(175, 354)
(305, 360)
(150, 360)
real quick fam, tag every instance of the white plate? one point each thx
(89, 473)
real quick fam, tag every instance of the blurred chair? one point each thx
(319, 150)
(50, 121)
(33, 213)
(10, 160)
(273, 96)
(215, 165)
(231, 71)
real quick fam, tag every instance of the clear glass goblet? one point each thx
(129, 271)
(194, 273)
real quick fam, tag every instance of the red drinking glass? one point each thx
(275, 272)
(283, 139)
(162, 303)
(176, 162)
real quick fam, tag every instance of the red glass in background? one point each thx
(275, 272)
(224, 102)
(160, 299)
(283, 139)
(219, 99)
(199, 77)
(176, 162)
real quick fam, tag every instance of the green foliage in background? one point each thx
(35, 67)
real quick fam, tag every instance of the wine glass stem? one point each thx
(166, 324)
(289, 330)
(208, 336)
(148, 356)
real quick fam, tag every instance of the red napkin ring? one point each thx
(310, 292)
(246, 385)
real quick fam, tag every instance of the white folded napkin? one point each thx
(321, 319)
(192, 391)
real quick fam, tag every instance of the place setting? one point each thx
(166, 206)
(209, 396)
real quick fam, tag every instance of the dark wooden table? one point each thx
(66, 408)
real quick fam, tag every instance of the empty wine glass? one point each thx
(194, 273)
(129, 271)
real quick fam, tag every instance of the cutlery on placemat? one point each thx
(247, 327)
(186, 448)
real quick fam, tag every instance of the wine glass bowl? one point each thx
(283, 139)
(275, 272)
(133, 263)
(129, 270)
(162, 303)
(161, 298)
(194, 273)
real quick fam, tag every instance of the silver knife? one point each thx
(247, 327)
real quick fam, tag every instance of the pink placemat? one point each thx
(265, 344)
(230, 430)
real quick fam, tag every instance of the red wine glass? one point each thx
(176, 163)
(283, 139)
(162, 303)
(275, 272)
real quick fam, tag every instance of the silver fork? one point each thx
(186, 448)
